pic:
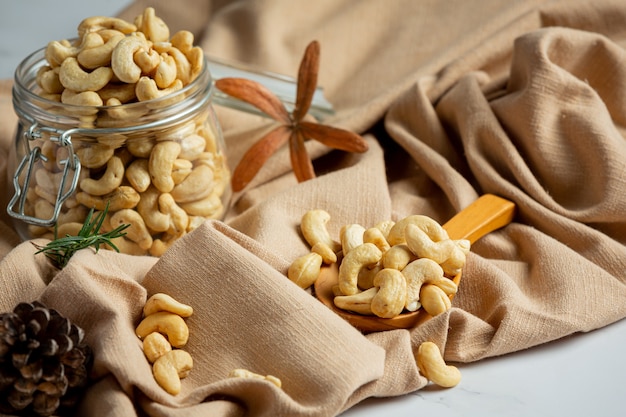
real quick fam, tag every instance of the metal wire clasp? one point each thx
(69, 176)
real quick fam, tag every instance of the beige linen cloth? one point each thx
(523, 99)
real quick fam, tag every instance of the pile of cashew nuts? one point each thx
(163, 183)
(164, 332)
(386, 269)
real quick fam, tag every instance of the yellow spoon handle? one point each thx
(488, 213)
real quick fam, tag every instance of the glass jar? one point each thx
(160, 165)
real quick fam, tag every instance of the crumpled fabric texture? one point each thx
(525, 100)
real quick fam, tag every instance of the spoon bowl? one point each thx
(488, 213)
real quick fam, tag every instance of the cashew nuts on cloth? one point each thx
(170, 368)
(313, 227)
(244, 373)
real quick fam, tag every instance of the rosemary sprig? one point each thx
(61, 249)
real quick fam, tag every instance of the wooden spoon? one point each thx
(486, 214)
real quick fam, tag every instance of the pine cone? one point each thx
(44, 364)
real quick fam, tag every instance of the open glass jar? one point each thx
(160, 164)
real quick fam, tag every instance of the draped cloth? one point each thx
(524, 99)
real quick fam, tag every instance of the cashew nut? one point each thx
(390, 299)
(434, 300)
(430, 226)
(137, 174)
(305, 269)
(161, 163)
(98, 23)
(153, 26)
(165, 73)
(313, 226)
(155, 345)
(327, 254)
(72, 76)
(137, 231)
(122, 92)
(170, 368)
(441, 251)
(196, 186)
(398, 257)
(244, 373)
(147, 60)
(95, 155)
(109, 181)
(183, 40)
(122, 58)
(208, 207)
(179, 220)
(100, 56)
(48, 80)
(366, 276)
(192, 147)
(147, 89)
(375, 236)
(141, 148)
(432, 365)
(417, 273)
(148, 207)
(88, 99)
(351, 236)
(359, 257)
(171, 325)
(164, 302)
(122, 197)
(360, 303)
(181, 170)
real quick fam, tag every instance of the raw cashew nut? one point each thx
(122, 92)
(72, 76)
(137, 231)
(192, 147)
(360, 303)
(179, 220)
(428, 225)
(100, 56)
(161, 163)
(148, 60)
(137, 174)
(170, 368)
(147, 89)
(181, 170)
(385, 227)
(89, 99)
(196, 186)
(110, 180)
(434, 300)
(417, 273)
(362, 256)
(366, 276)
(313, 226)
(375, 236)
(432, 365)
(164, 302)
(165, 73)
(327, 254)
(305, 269)
(153, 26)
(48, 80)
(122, 58)
(95, 155)
(398, 257)
(351, 236)
(140, 148)
(171, 325)
(155, 345)
(98, 23)
(440, 251)
(183, 40)
(244, 373)
(391, 296)
(124, 197)
(208, 207)
(148, 207)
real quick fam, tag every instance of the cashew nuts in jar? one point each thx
(148, 141)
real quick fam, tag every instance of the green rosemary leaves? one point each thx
(61, 249)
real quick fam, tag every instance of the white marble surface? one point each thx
(583, 375)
